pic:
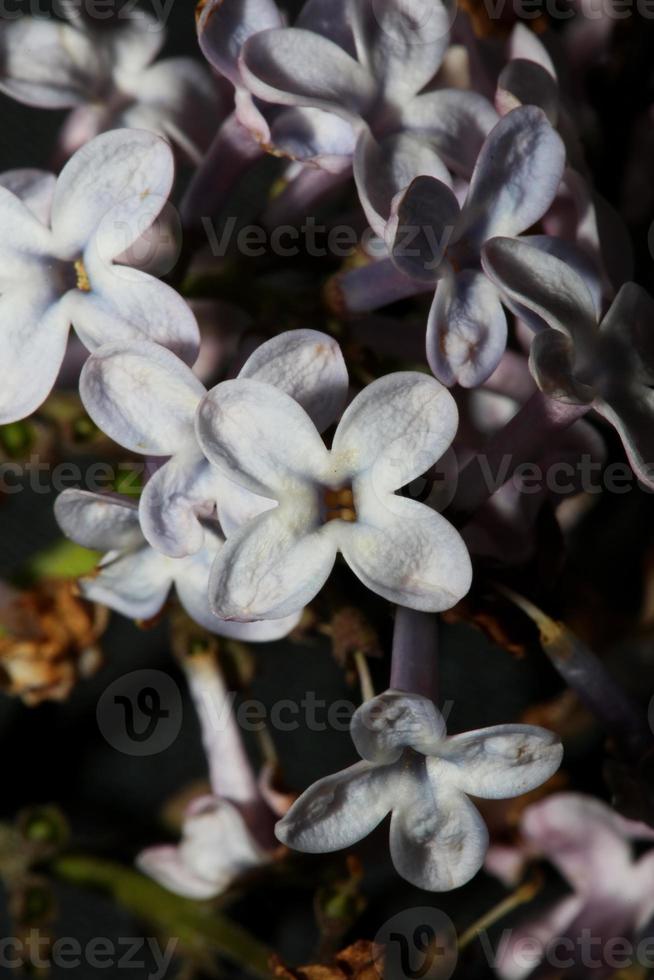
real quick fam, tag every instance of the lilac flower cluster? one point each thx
(467, 164)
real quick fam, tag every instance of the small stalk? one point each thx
(414, 664)
(525, 893)
(363, 671)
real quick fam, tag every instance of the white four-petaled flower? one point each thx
(57, 269)
(328, 501)
(410, 768)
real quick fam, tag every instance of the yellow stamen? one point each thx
(82, 277)
(340, 505)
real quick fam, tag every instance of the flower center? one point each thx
(339, 505)
(82, 277)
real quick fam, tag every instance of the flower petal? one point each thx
(134, 584)
(544, 284)
(259, 436)
(552, 364)
(466, 329)
(142, 396)
(35, 188)
(175, 498)
(291, 66)
(523, 82)
(584, 839)
(102, 522)
(438, 839)
(522, 948)
(224, 28)
(630, 409)
(401, 43)
(516, 176)
(422, 226)
(49, 64)
(26, 239)
(383, 727)
(405, 552)
(126, 304)
(308, 366)
(164, 865)
(313, 135)
(396, 428)
(109, 182)
(455, 121)
(217, 843)
(339, 810)
(274, 565)
(500, 762)
(630, 323)
(382, 170)
(34, 331)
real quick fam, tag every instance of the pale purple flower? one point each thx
(367, 64)
(434, 239)
(328, 501)
(228, 832)
(145, 399)
(582, 359)
(104, 73)
(134, 579)
(411, 769)
(612, 897)
(57, 269)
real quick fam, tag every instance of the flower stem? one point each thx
(195, 925)
(414, 664)
(523, 894)
(524, 439)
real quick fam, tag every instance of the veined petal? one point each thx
(382, 170)
(224, 28)
(422, 226)
(544, 284)
(466, 329)
(329, 18)
(385, 726)
(126, 304)
(498, 763)
(395, 429)
(516, 176)
(49, 64)
(274, 565)
(102, 522)
(34, 331)
(339, 810)
(35, 188)
(308, 365)
(405, 552)
(142, 396)
(259, 437)
(401, 43)
(175, 498)
(134, 584)
(109, 181)
(552, 364)
(438, 839)
(291, 66)
(457, 123)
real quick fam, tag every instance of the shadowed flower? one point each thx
(412, 769)
(580, 359)
(613, 893)
(104, 73)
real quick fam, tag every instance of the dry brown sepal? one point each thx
(360, 961)
(48, 640)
